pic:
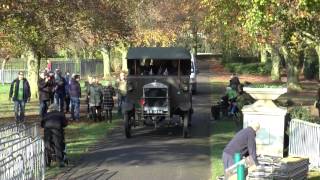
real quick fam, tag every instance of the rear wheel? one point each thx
(127, 125)
(186, 124)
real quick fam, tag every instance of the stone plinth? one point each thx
(270, 137)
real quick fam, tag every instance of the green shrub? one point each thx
(302, 113)
(310, 64)
(249, 68)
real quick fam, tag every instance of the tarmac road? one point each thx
(155, 155)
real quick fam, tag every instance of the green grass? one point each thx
(249, 68)
(79, 138)
(222, 132)
(314, 175)
(4, 93)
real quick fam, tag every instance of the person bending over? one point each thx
(244, 143)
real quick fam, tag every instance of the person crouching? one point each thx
(53, 124)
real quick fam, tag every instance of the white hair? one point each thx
(255, 125)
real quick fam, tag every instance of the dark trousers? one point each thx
(59, 100)
(19, 107)
(54, 142)
(43, 107)
(108, 115)
(227, 160)
(75, 108)
(67, 100)
(96, 112)
(121, 100)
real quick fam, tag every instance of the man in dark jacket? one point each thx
(53, 124)
(234, 82)
(44, 93)
(20, 95)
(60, 90)
(75, 94)
(67, 97)
(51, 86)
(244, 143)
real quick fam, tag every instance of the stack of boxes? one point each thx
(280, 168)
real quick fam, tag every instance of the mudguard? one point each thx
(185, 106)
(126, 107)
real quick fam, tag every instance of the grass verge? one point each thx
(221, 133)
(79, 138)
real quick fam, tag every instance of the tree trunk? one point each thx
(32, 67)
(123, 50)
(275, 60)
(106, 62)
(292, 61)
(263, 55)
(318, 53)
(77, 61)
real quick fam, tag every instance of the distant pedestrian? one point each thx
(51, 86)
(75, 94)
(108, 103)
(95, 98)
(60, 90)
(234, 82)
(49, 65)
(87, 85)
(20, 95)
(44, 93)
(67, 97)
(121, 90)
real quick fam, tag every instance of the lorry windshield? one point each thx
(158, 67)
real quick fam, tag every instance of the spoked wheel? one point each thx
(186, 124)
(127, 125)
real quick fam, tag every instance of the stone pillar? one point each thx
(270, 137)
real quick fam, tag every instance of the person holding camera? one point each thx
(44, 92)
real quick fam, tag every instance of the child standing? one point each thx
(107, 102)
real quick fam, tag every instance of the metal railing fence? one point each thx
(21, 152)
(304, 141)
(85, 67)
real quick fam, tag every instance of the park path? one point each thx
(153, 155)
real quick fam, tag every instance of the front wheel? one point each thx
(186, 124)
(127, 125)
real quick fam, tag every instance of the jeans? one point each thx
(227, 160)
(43, 108)
(121, 100)
(59, 100)
(75, 108)
(67, 101)
(19, 106)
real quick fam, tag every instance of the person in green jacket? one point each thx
(20, 95)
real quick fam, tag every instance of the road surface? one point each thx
(155, 155)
